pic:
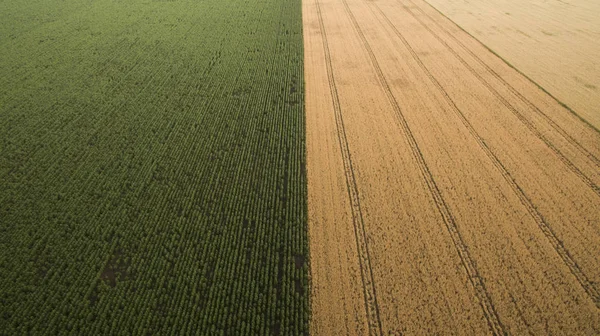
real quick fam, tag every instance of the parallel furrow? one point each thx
(489, 311)
(527, 203)
(370, 294)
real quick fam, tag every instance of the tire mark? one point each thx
(524, 99)
(369, 290)
(556, 243)
(491, 316)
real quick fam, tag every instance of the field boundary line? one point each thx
(525, 201)
(369, 290)
(475, 278)
(508, 105)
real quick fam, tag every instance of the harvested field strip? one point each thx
(520, 116)
(556, 243)
(552, 42)
(555, 127)
(370, 294)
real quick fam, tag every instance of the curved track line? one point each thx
(369, 291)
(475, 278)
(546, 229)
(520, 116)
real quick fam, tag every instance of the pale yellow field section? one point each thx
(447, 193)
(554, 42)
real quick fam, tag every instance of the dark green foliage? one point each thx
(151, 176)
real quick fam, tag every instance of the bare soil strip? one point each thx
(447, 192)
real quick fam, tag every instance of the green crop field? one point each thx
(151, 167)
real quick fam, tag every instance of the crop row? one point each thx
(152, 175)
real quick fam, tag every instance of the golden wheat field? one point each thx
(448, 191)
